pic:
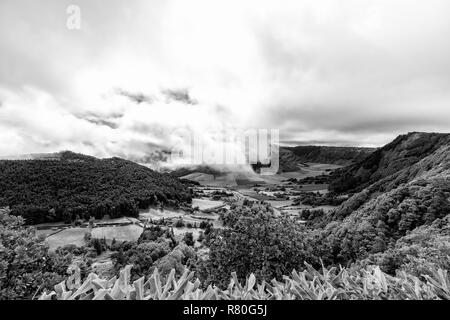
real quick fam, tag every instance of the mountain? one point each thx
(289, 161)
(331, 155)
(399, 213)
(186, 170)
(72, 186)
(401, 153)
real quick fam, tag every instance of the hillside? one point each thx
(289, 161)
(404, 200)
(186, 170)
(79, 186)
(331, 155)
(401, 153)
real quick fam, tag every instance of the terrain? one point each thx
(69, 186)
(331, 155)
(383, 218)
(403, 152)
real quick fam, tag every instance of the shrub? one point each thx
(256, 241)
(188, 238)
(179, 223)
(26, 265)
(369, 283)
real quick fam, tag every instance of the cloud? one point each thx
(136, 97)
(353, 73)
(181, 95)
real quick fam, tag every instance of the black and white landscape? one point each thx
(224, 150)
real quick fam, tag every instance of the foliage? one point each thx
(425, 248)
(77, 185)
(188, 238)
(26, 265)
(382, 222)
(256, 241)
(141, 256)
(316, 199)
(394, 157)
(369, 283)
(179, 258)
(179, 223)
(154, 243)
(326, 154)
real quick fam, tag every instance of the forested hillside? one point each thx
(289, 161)
(401, 153)
(79, 186)
(331, 155)
(407, 203)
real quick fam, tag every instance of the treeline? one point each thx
(317, 199)
(78, 186)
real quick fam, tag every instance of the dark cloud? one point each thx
(181, 95)
(103, 122)
(135, 97)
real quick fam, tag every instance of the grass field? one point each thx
(204, 204)
(156, 214)
(312, 187)
(73, 236)
(120, 233)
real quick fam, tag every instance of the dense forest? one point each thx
(332, 155)
(78, 186)
(401, 153)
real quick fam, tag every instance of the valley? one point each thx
(388, 209)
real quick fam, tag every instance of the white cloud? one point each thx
(352, 73)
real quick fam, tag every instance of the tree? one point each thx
(201, 237)
(188, 238)
(26, 265)
(255, 241)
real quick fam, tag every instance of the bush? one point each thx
(256, 241)
(26, 265)
(203, 224)
(188, 238)
(179, 223)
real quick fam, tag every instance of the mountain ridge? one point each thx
(409, 194)
(80, 186)
(330, 154)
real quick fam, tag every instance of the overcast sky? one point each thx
(353, 72)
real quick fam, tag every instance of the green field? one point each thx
(204, 204)
(73, 236)
(120, 233)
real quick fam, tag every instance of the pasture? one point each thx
(120, 233)
(67, 236)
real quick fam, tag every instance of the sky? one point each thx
(326, 72)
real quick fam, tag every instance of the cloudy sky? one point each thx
(353, 72)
